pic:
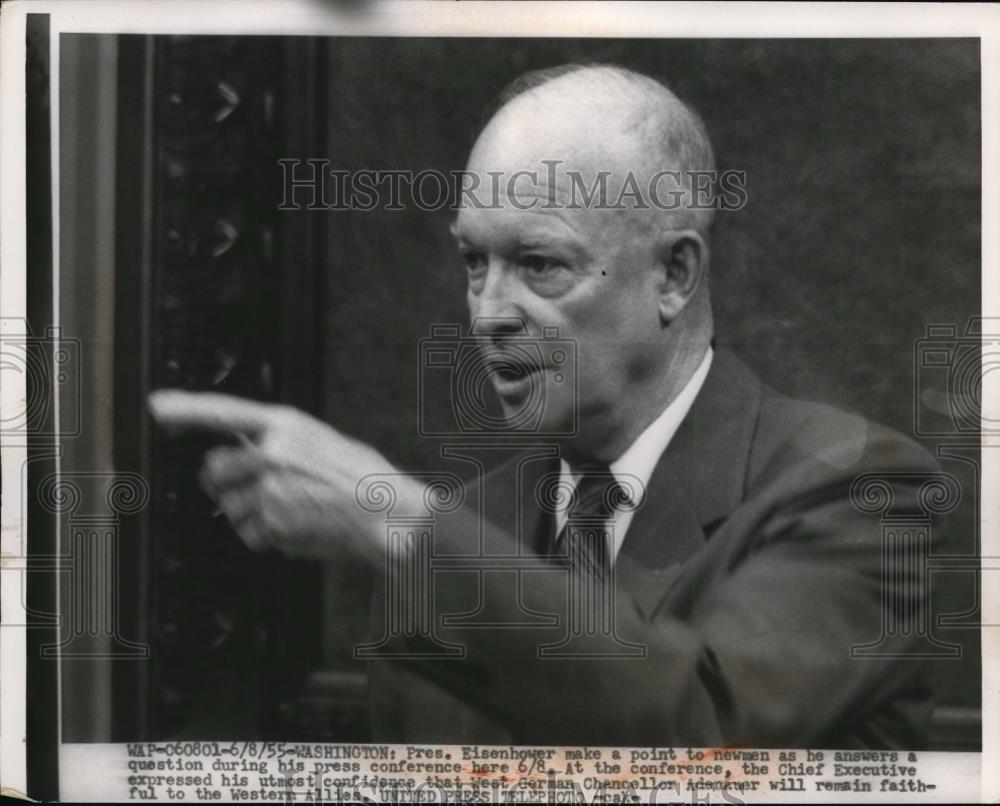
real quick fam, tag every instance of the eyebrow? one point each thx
(522, 246)
(543, 236)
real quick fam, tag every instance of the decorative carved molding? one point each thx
(215, 283)
(222, 292)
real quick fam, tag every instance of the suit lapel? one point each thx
(700, 478)
(665, 529)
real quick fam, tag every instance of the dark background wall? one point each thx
(863, 173)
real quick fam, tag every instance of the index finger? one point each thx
(177, 410)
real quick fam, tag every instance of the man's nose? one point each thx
(496, 310)
(496, 327)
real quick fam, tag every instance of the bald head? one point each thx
(603, 118)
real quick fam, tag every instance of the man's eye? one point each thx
(474, 263)
(537, 264)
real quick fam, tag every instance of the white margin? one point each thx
(12, 394)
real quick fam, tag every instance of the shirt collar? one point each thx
(640, 458)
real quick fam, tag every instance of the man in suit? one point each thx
(725, 572)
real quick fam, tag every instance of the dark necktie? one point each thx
(585, 536)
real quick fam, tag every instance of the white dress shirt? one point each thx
(640, 459)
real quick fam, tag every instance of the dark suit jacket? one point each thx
(748, 575)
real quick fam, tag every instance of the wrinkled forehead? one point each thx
(528, 218)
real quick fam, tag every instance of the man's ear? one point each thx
(683, 259)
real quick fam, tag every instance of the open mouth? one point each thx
(514, 370)
(512, 376)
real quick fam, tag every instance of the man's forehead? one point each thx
(553, 199)
(507, 223)
(535, 160)
(567, 157)
(570, 118)
(534, 144)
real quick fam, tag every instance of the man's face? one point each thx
(590, 273)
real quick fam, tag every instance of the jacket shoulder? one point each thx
(818, 441)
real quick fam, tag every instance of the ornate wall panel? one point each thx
(209, 299)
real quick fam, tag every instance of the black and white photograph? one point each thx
(499, 402)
